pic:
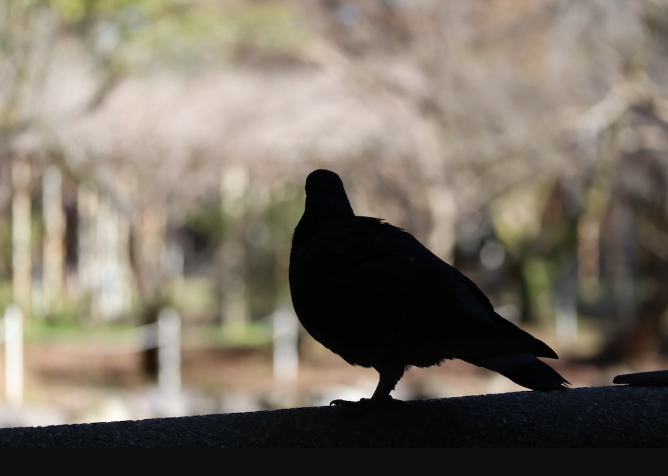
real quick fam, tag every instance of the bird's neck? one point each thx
(313, 222)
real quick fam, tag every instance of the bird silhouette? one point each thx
(373, 294)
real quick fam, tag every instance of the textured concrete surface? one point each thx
(610, 416)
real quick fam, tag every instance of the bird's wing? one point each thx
(367, 283)
(371, 285)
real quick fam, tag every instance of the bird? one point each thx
(372, 293)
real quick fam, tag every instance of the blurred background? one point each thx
(152, 163)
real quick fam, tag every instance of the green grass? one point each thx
(253, 334)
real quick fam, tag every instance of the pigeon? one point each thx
(373, 294)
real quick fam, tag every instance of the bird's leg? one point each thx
(389, 375)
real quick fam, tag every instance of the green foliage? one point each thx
(73, 11)
(266, 237)
(284, 212)
(185, 33)
(517, 214)
(5, 247)
(229, 334)
(197, 298)
(206, 224)
(267, 26)
(268, 258)
(5, 295)
(537, 274)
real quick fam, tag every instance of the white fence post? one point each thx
(286, 358)
(14, 355)
(169, 352)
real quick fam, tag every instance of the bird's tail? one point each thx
(523, 369)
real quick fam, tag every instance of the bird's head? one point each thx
(326, 196)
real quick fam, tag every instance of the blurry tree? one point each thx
(506, 134)
(21, 236)
(502, 96)
(64, 60)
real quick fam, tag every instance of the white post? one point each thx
(286, 358)
(169, 352)
(14, 355)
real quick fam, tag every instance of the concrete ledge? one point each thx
(610, 416)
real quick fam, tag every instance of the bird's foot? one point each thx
(367, 402)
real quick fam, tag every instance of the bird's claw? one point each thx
(367, 402)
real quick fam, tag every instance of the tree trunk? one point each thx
(21, 260)
(54, 238)
(233, 192)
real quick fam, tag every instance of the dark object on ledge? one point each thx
(655, 377)
(373, 294)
